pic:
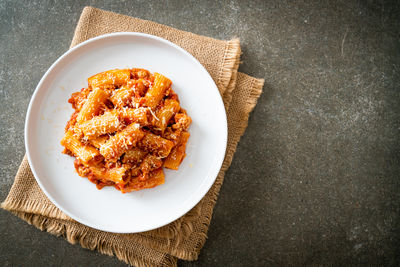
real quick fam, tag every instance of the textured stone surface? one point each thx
(315, 179)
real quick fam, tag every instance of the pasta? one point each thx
(109, 79)
(139, 115)
(177, 154)
(156, 92)
(81, 151)
(122, 96)
(134, 155)
(99, 141)
(127, 125)
(156, 144)
(107, 123)
(155, 178)
(93, 104)
(121, 142)
(164, 114)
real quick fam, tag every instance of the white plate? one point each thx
(108, 209)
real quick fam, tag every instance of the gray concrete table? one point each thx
(315, 179)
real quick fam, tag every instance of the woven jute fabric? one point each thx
(183, 238)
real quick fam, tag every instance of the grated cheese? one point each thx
(152, 113)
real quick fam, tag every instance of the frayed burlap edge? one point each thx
(90, 241)
(227, 97)
(230, 65)
(33, 207)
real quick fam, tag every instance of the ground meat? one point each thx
(182, 122)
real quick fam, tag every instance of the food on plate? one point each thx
(127, 125)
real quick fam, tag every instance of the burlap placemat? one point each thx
(183, 238)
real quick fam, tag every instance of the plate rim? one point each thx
(28, 121)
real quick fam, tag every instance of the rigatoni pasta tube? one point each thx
(99, 141)
(139, 115)
(83, 152)
(156, 178)
(156, 144)
(109, 122)
(177, 154)
(122, 96)
(157, 91)
(164, 114)
(95, 100)
(109, 79)
(121, 142)
(115, 174)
